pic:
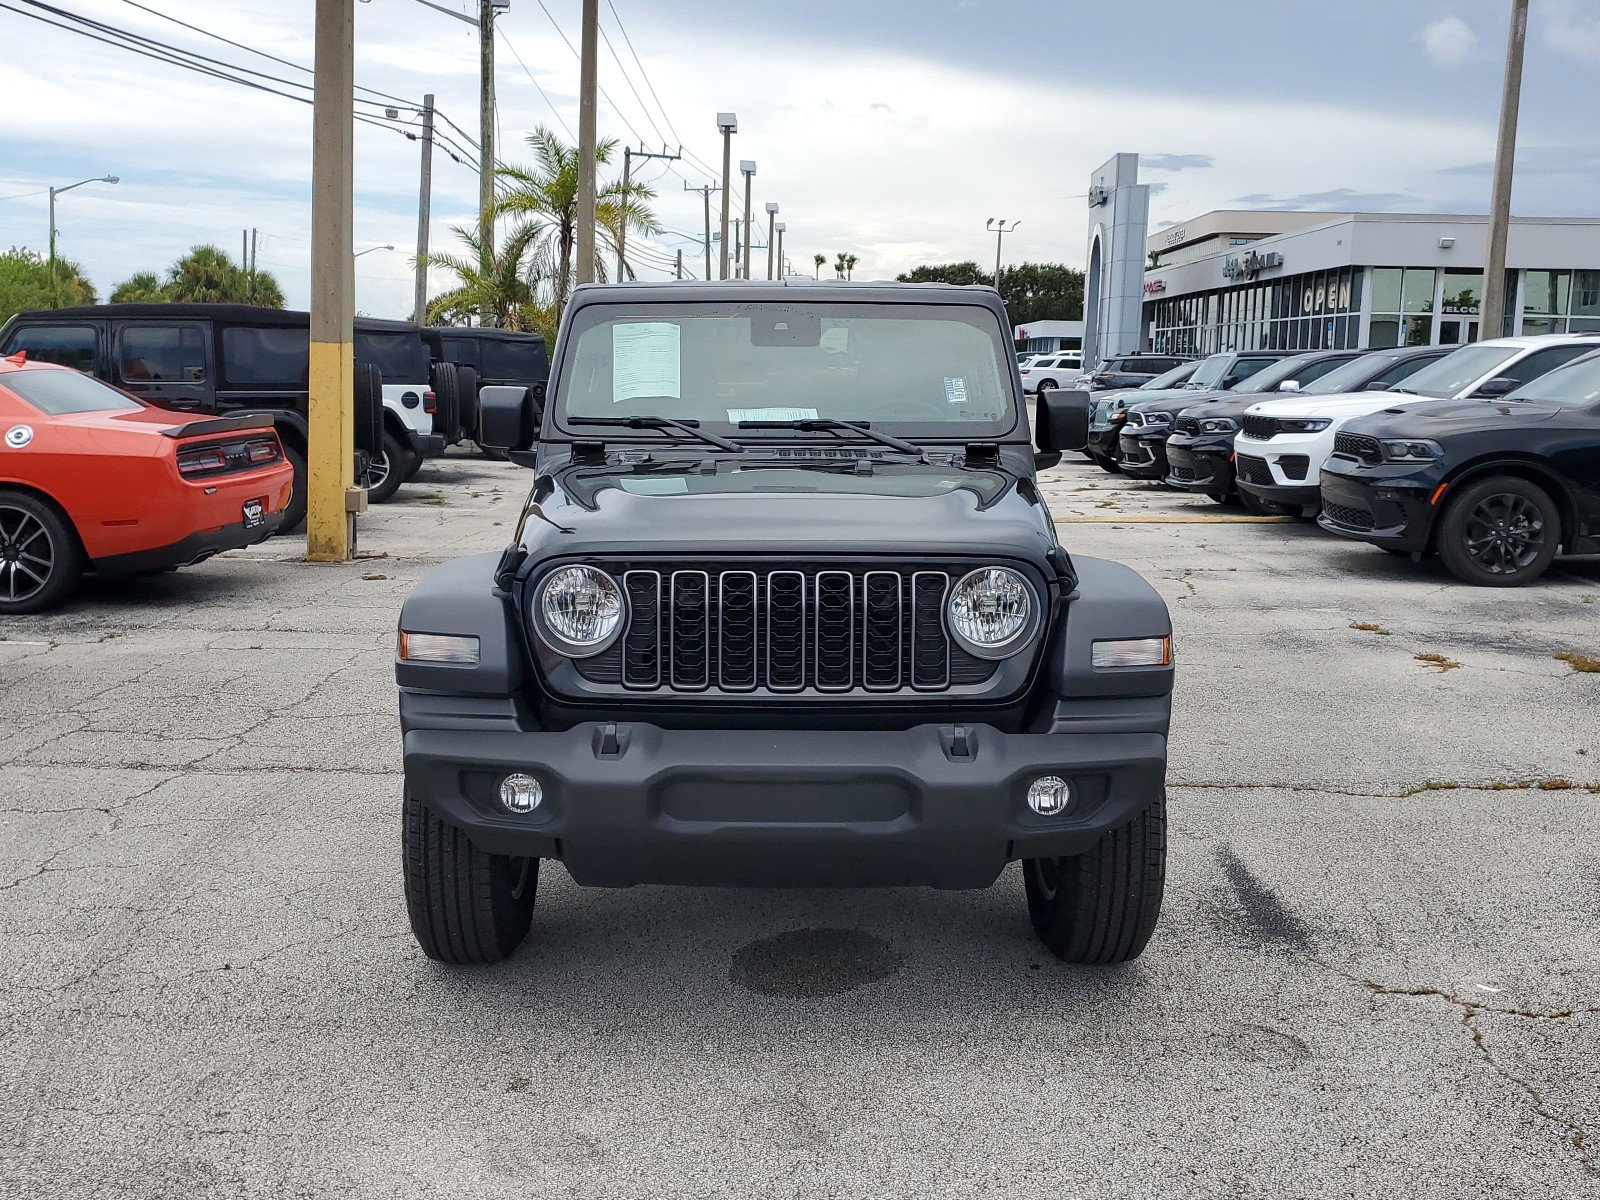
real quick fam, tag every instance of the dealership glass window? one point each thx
(1386, 289)
(162, 354)
(1546, 293)
(1463, 291)
(1416, 290)
(1586, 294)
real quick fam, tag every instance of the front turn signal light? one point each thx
(1132, 652)
(446, 648)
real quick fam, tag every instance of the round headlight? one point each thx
(579, 610)
(992, 612)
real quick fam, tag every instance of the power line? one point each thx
(643, 74)
(548, 102)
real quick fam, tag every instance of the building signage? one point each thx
(1155, 287)
(1460, 310)
(1251, 264)
(1175, 236)
(1331, 297)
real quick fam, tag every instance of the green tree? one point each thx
(206, 275)
(25, 283)
(548, 191)
(500, 283)
(1032, 291)
(964, 273)
(143, 288)
(820, 261)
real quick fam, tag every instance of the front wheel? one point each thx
(40, 560)
(1106, 463)
(1101, 906)
(465, 906)
(1499, 532)
(386, 471)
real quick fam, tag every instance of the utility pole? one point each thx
(1492, 317)
(587, 83)
(738, 225)
(780, 227)
(332, 496)
(772, 218)
(747, 168)
(486, 11)
(999, 228)
(728, 123)
(678, 270)
(705, 190)
(628, 155)
(254, 234)
(419, 306)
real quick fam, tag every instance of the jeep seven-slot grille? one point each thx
(786, 630)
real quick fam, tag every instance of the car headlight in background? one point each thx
(578, 610)
(1158, 418)
(1303, 424)
(992, 612)
(1411, 451)
(1219, 425)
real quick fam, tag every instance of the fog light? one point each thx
(1049, 795)
(521, 793)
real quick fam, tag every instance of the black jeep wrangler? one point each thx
(785, 607)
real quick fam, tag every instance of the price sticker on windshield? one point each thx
(955, 390)
(645, 360)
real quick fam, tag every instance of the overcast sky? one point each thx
(885, 128)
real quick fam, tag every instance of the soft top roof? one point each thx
(234, 314)
(482, 334)
(775, 291)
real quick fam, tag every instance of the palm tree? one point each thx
(499, 282)
(849, 265)
(142, 288)
(208, 276)
(819, 260)
(550, 190)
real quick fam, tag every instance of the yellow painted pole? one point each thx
(332, 496)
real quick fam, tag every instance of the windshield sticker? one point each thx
(644, 360)
(655, 487)
(735, 415)
(955, 391)
(19, 436)
(836, 339)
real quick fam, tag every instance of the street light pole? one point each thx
(1492, 318)
(729, 124)
(1000, 229)
(54, 192)
(369, 250)
(780, 227)
(705, 191)
(419, 305)
(587, 137)
(772, 230)
(747, 168)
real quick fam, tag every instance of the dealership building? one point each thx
(1309, 281)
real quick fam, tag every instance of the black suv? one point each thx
(1200, 450)
(1142, 440)
(1132, 370)
(231, 359)
(785, 606)
(1497, 487)
(489, 358)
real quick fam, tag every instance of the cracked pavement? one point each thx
(1377, 970)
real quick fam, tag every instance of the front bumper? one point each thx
(636, 803)
(1144, 452)
(1103, 442)
(1274, 477)
(1200, 465)
(1387, 505)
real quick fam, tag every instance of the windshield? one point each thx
(61, 393)
(1169, 380)
(1351, 376)
(1268, 379)
(929, 369)
(1575, 385)
(1211, 372)
(1456, 370)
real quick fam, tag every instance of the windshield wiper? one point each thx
(812, 424)
(689, 427)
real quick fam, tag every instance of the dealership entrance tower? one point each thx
(1113, 286)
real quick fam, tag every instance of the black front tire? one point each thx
(1107, 464)
(41, 559)
(1101, 907)
(387, 471)
(294, 513)
(465, 906)
(1499, 532)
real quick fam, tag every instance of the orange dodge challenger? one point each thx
(94, 480)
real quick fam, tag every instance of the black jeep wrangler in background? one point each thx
(785, 607)
(486, 358)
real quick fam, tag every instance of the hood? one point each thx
(1443, 417)
(1178, 399)
(681, 509)
(1342, 404)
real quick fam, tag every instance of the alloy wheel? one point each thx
(378, 468)
(1504, 533)
(27, 554)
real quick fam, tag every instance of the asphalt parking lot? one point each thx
(1377, 970)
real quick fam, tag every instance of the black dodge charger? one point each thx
(1496, 488)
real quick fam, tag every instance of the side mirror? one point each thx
(1380, 386)
(506, 417)
(1289, 385)
(1061, 422)
(1498, 386)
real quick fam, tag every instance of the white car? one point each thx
(1283, 443)
(1051, 371)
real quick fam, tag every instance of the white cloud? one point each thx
(1569, 32)
(1449, 41)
